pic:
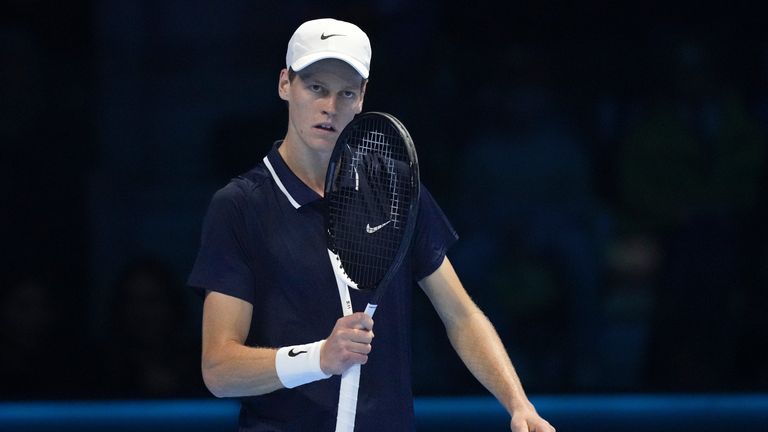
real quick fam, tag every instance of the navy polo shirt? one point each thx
(264, 241)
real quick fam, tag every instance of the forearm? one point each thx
(477, 343)
(232, 370)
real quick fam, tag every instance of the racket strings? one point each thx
(366, 217)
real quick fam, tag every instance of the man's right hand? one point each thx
(348, 344)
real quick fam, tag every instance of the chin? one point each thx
(324, 145)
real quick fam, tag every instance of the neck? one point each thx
(309, 167)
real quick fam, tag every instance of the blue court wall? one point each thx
(615, 413)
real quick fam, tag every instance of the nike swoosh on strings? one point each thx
(371, 230)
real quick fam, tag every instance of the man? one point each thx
(273, 330)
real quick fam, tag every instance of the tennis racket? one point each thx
(372, 195)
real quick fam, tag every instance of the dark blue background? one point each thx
(605, 168)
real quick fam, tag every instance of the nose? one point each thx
(330, 105)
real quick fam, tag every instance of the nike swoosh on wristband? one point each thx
(294, 354)
(371, 230)
(325, 36)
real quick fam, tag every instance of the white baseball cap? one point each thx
(329, 38)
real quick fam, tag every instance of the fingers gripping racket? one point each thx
(372, 193)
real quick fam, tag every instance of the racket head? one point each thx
(372, 195)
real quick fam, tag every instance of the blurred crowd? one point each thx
(609, 185)
(146, 347)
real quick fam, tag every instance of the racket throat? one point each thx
(338, 269)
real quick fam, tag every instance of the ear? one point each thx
(283, 85)
(362, 97)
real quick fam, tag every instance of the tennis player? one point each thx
(273, 330)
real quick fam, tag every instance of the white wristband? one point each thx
(299, 364)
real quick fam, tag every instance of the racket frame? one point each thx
(412, 212)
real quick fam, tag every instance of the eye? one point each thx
(348, 94)
(316, 88)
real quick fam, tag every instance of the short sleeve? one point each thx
(224, 262)
(433, 237)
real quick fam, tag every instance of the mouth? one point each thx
(327, 127)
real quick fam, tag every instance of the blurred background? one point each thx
(606, 169)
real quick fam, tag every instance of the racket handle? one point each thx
(350, 382)
(370, 309)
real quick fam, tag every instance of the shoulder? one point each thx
(242, 197)
(430, 211)
(243, 188)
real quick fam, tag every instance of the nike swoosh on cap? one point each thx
(325, 36)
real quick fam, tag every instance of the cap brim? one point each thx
(314, 57)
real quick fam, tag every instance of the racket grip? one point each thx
(370, 309)
(350, 382)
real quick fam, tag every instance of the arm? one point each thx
(477, 343)
(230, 368)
